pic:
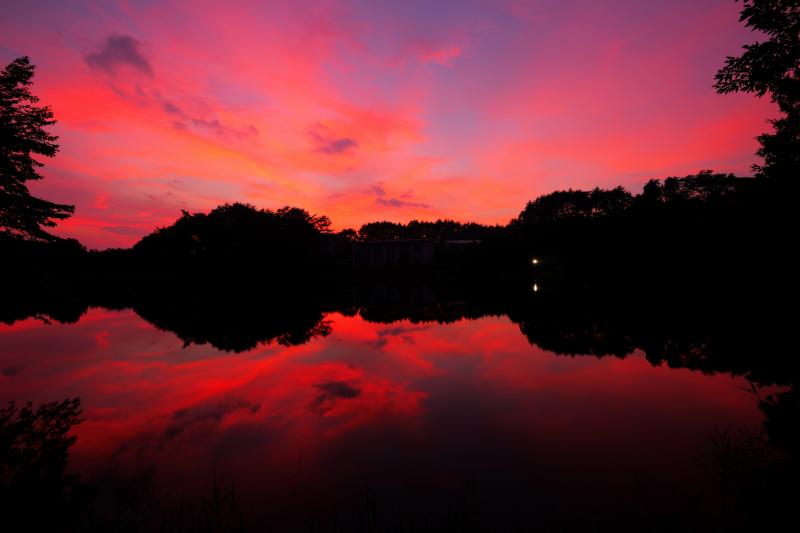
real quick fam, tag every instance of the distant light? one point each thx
(535, 287)
(534, 261)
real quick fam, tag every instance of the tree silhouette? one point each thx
(437, 231)
(771, 66)
(23, 134)
(576, 204)
(37, 493)
(237, 237)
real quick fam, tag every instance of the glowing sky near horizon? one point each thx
(373, 110)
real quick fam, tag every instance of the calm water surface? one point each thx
(414, 415)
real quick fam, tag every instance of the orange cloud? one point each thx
(189, 104)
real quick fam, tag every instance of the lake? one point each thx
(398, 420)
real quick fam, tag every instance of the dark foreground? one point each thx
(409, 404)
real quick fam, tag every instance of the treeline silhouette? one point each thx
(696, 272)
(735, 333)
(710, 226)
(438, 231)
(232, 237)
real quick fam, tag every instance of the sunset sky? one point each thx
(372, 110)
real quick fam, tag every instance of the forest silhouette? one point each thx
(734, 333)
(695, 272)
(709, 226)
(714, 225)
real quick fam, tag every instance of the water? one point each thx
(456, 422)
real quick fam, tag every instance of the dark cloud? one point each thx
(326, 142)
(331, 392)
(380, 343)
(10, 371)
(393, 331)
(123, 230)
(206, 413)
(214, 126)
(338, 146)
(193, 422)
(171, 108)
(403, 201)
(403, 332)
(119, 50)
(395, 202)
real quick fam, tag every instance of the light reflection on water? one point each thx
(407, 409)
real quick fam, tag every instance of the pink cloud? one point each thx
(190, 104)
(443, 55)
